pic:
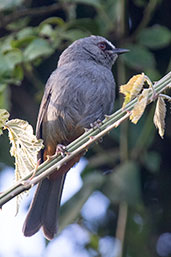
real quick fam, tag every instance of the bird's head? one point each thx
(94, 48)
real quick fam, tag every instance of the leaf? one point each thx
(124, 184)
(155, 37)
(139, 57)
(140, 3)
(6, 44)
(4, 96)
(132, 88)
(18, 74)
(26, 32)
(23, 42)
(46, 30)
(4, 65)
(84, 24)
(94, 242)
(18, 24)
(25, 147)
(91, 183)
(140, 106)
(74, 34)
(159, 116)
(4, 115)
(52, 20)
(8, 4)
(152, 161)
(8, 61)
(38, 47)
(13, 57)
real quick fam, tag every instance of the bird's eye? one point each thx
(102, 45)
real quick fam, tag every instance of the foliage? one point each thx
(33, 34)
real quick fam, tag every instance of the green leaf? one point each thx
(94, 242)
(53, 20)
(84, 24)
(18, 24)
(4, 96)
(23, 42)
(24, 33)
(124, 184)
(152, 161)
(4, 66)
(6, 44)
(91, 183)
(38, 47)
(13, 57)
(139, 57)
(18, 74)
(74, 34)
(7, 4)
(140, 3)
(155, 37)
(153, 74)
(46, 30)
(9, 73)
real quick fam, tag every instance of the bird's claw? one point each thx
(61, 149)
(96, 124)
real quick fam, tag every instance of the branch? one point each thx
(79, 145)
(5, 20)
(146, 17)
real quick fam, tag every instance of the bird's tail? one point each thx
(45, 207)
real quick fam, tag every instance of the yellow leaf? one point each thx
(25, 147)
(4, 115)
(159, 116)
(132, 88)
(140, 106)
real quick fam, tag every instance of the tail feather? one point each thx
(44, 208)
(51, 212)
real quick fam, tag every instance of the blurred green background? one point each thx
(132, 166)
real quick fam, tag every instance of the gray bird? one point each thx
(80, 91)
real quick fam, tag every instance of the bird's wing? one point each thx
(43, 109)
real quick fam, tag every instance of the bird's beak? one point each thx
(120, 50)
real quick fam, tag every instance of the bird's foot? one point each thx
(61, 149)
(96, 124)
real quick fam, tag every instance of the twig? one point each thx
(5, 20)
(146, 18)
(79, 145)
(121, 224)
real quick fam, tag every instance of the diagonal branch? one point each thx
(80, 144)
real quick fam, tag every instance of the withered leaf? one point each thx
(25, 147)
(132, 88)
(4, 115)
(140, 106)
(159, 116)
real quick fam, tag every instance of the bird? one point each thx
(78, 93)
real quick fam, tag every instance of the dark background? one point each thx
(133, 162)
